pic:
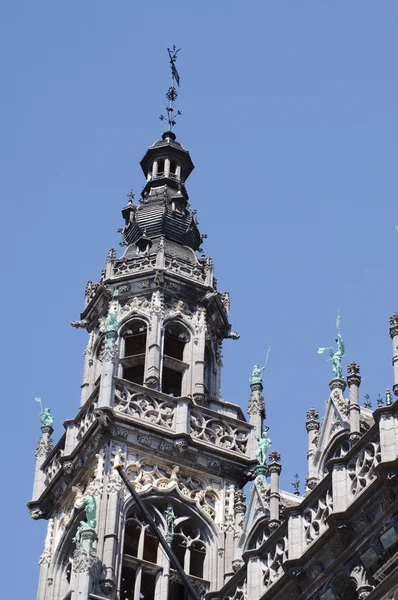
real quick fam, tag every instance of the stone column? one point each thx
(256, 413)
(110, 259)
(295, 535)
(153, 360)
(354, 381)
(341, 495)
(84, 559)
(154, 169)
(394, 337)
(166, 167)
(255, 588)
(106, 396)
(43, 448)
(312, 427)
(45, 561)
(274, 468)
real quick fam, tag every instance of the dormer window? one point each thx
(143, 245)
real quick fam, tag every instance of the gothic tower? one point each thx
(151, 397)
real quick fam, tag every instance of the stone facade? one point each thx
(150, 399)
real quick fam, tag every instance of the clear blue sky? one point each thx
(290, 114)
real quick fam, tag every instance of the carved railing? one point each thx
(87, 417)
(315, 516)
(145, 406)
(54, 465)
(272, 561)
(362, 468)
(222, 432)
(126, 267)
(195, 271)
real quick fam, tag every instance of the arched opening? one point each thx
(198, 554)
(209, 376)
(144, 563)
(176, 338)
(160, 172)
(134, 351)
(140, 557)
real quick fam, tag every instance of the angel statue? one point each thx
(336, 355)
(264, 444)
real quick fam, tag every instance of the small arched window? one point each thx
(176, 338)
(160, 167)
(134, 351)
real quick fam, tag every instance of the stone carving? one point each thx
(53, 467)
(121, 432)
(145, 476)
(118, 454)
(273, 560)
(218, 432)
(181, 445)
(316, 570)
(124, 267)
(240, 593)
(362, 468)
(359, 576)
(45, 558)
(144, 407)
(156, 302)
(256, 405)
(96, 486)
(315, 516)
(185, 269)
(87, 419)
(44, 445)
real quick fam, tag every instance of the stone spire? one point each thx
(312, 426)
(394, 337)
(354, 381)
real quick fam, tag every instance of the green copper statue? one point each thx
(170, 519)
(91, 516)
(111, 323)
(46, 418)
(336, 356)
(264, 444)
(257, 374)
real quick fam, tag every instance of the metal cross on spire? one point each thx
(172, 93)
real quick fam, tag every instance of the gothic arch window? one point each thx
(133, 350)
(176, 340)
(144, 563)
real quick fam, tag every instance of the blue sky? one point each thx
(290, 115)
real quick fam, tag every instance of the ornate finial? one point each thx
(380, 401)
(172, 93)
(296, 485)
(367, 403)
(274, 456)
(312, 414)
(335, 357)
(388, 398)
(130, 197)
(353, 368)
(394, 325)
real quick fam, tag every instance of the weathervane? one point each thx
(172, 93)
